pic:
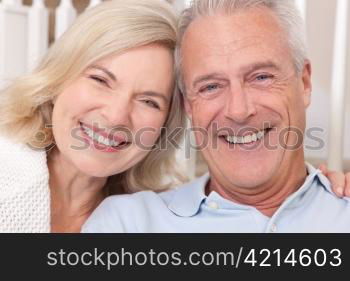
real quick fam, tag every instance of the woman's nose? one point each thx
(117, 112)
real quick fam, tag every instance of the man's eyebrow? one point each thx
(105, 70)
(202, 78)
(247, 68)
(259, 65)
(155, 94)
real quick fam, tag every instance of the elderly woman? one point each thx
(88, 121)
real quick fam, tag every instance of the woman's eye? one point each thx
(151, 103)
(98, 79)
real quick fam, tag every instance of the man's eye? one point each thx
(98, 79)
(263, 77)
(209, 88)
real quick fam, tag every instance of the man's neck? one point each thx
(270, 196)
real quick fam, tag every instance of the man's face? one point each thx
(243, 90)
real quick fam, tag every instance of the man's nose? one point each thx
(239, 106)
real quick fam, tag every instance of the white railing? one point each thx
(14, 38)
(24, 39)
(302, 7)
(24, 33)
(38, 27)
(338, 100)
(65, 15)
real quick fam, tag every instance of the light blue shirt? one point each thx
(313, 208)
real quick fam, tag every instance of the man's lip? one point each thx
(239, 133)
(102, 132)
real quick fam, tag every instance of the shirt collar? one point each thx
(298, 198)
(188, 198)
(315, 173)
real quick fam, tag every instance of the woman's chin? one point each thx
(97, 170)
(96, 173)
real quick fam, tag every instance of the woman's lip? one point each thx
(102, 132)
(101, 147)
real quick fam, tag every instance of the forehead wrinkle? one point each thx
(226, 51)
(224, 46)
(232, 48)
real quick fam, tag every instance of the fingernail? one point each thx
(339, 191)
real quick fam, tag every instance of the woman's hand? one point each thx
(340, 182)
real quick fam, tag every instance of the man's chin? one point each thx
(248, 176)
(248, 182)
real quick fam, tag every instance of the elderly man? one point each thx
(247, 82)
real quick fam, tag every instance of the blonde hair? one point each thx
(109, 28)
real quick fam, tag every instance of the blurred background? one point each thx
(28, 27)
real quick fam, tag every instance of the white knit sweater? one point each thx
(24, 188)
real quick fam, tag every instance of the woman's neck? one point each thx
(74, 195)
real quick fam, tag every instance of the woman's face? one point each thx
(108, 119)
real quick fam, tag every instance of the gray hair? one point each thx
(286, 11)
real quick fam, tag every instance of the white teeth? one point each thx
(246, 139)
(98, 138)
(101, 139)
(260, 135)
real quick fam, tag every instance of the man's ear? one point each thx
(307, 84)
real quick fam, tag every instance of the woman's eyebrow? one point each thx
(156, 94)
(105, 70)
